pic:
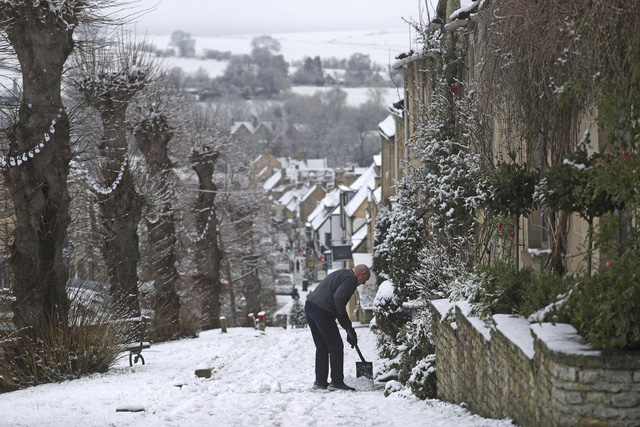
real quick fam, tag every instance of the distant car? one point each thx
(282, 267)
(284, 284)
(89, 300)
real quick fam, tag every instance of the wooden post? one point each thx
(223, 324)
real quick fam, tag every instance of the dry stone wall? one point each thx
(535, 374)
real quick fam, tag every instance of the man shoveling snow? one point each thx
(324, 305)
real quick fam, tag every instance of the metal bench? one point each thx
(138, 344)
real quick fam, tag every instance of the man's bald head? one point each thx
(362, 273)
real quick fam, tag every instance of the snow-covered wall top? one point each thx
(536, 374)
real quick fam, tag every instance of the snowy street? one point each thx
(259, 379)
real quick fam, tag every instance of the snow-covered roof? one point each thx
(324, 208)
(237, 125)
(320, 219)
(266, 125)
(286, 198)
(316, 164)
(359, 236)
(377, 160)
(292, 196)
(256, 159)
(377, 195)
(387, 127)
(308, 194)
(356, 201)
(299, 170)
(368, 179)
(292, 206)
(263, 171)
(332, 199)
(272, 181)
(317, 211)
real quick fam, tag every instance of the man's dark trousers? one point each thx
(328, 343)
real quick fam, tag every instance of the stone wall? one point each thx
(535, 374)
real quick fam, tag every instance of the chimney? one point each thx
(302, 156)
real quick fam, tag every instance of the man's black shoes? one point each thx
(318, 386)
(340, 387)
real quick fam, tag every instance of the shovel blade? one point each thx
(364, 369)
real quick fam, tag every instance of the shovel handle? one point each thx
(359, 353)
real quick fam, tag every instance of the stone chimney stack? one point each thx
(302, 156)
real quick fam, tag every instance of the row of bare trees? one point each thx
(135, 150)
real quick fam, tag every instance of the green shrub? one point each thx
(387, 311)
(605, 308)
(417, 368)
(501, 289)
(423, 381)
(296, 315)
(543, 291)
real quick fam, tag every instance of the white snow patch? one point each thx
(563, 338)
(538, 252)
(518, 330)
(578, 166)
(476, 322)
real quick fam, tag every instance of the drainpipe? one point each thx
(407, 109)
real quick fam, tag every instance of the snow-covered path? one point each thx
(259, 379)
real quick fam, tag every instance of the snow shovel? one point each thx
(364, 368)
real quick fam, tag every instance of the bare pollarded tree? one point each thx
(108, 78)
(153, 128)
(41, 36)
(245, 237)
(207, 143)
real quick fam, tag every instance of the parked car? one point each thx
(282, 267)
(89, 300)
(284, 284)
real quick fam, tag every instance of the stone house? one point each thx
(570, 389)
(264, 166)
(310, 200)
(534, 230)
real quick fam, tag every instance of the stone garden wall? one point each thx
(535, 374)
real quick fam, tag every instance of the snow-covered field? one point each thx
(355, 95)
(259, 379)
(381, 46)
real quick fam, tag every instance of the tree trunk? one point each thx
(558, 229)
(120, 211)
(251, 288)
(517, 237)
(231, 286)
(153, 136)
(589, 246)
(208, 255)
(242, 217)
(38, 186)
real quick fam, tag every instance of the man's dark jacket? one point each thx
(334, 292)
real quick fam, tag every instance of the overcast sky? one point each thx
(217, 17)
